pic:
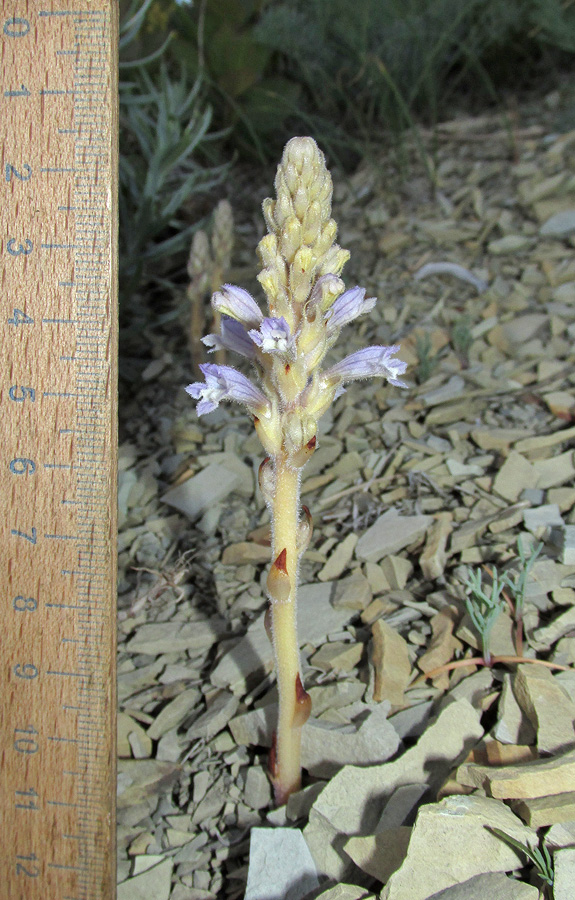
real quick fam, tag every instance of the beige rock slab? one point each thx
(140, 779)
(389, 534)
(126, 727)
(397, 570)
(500, 639)
(351, 803)
(553, 775)
(391, 663)
(513, 726)
(549, 709)
(154, 882)
(434, 556)
(380, 854)
(354, 592)
(515, 475)
(339, 656)
(489, 886)
(564, 864)
(245, 552)
(442, 645)
(542, 811)
(345, 892)
(451, 843)
(555, 471)
(174, 713)
(215, 718)
(170, 637)
(339, 558)
(562, 835)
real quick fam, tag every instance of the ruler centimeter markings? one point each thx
(58, 353)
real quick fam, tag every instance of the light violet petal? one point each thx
(348, 307)
(234, 385)
(238, 303)
(369, 362)
(273, 335)
(233, 337)
(225, 383)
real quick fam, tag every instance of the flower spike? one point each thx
(307, 308)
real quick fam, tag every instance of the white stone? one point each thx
(280, 865)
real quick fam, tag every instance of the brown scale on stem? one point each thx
(304, 530)
(268, 623)
(279, 582)
(272, 759)
(302, 704)
(301, 456)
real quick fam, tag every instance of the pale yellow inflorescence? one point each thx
(302, 264)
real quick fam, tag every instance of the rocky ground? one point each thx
(410, 491)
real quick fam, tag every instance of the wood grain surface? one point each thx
(58, 439)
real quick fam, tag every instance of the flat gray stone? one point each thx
(391, 533)
(560, 225)
(546, 516)
(202, 491)
(326, 749)
(171, 637)
(281, 866)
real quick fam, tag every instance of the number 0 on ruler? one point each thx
(58, 348)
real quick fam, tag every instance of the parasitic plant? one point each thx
(308, 307)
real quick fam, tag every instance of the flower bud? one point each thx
(300, 274)
(291, 238)
(267, 250)
(327, 237)
(268, 429)
(268, 207)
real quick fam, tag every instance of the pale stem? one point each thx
(284, 628)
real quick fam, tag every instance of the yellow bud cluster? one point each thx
(300, 245)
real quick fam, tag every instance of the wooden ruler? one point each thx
(58, 350)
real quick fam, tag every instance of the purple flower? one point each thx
(366, 363)
(347, 308)
(233, 336)
(226, 383)
(238, 304)
(273, 336)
